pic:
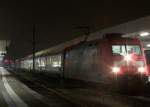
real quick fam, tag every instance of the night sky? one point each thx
(56, 21)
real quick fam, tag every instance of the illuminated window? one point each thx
(126, 49)
(133, 49)
(118, 50)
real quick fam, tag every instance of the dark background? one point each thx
(56, 20)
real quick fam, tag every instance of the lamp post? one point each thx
(33, 47)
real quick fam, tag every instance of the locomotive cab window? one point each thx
(126, 49)
(118, 50)
(133, 49)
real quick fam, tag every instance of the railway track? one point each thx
(131, 101)
(37, 84)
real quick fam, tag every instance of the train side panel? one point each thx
(105, 60)
(80, 63)
(86, 63)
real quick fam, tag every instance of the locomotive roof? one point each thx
(92, 39)
(64, 46)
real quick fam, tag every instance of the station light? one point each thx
(143, 34)
(148, 45)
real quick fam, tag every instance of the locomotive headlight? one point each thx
(127, 57)
(115, 69)
(141, 69)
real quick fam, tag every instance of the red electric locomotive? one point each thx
(128, 63)
(112, 59)
(127, 56)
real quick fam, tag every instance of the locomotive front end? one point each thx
(128, 64)
(128, 59)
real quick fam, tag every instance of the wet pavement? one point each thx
(14, 93)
